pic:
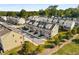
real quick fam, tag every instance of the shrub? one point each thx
(76, 41)
(39, 49)
(27, 48)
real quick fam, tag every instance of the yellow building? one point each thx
(10, 39)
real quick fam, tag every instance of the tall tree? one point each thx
(51, 11)
(22, 13)
(11, 13)
(68, 12)
(60, 13)
(39, 49)
(3, 13)
(27, 48)
(41, 12)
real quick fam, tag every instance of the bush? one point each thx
(39, 49)
(76, 41)
(56, 42)
(27, 48)
(24, 28)
(78, 30)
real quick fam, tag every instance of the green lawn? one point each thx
(69, 49)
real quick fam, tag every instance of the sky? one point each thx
(32, 7)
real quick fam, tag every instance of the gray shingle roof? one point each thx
(3, 30)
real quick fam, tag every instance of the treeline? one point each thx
(22, 13)
(50, 11)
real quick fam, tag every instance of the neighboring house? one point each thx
(55, 30)
(76, 21)
(31, 17)
(55, 20)
(38, 31)
(66, 22)
(9, 39)
(69, 24)
(45, 27)
(12, 20)
(21, 21)
(50, 20)
(41, 29)
(38, 18)
(15, 20)
(3, 18)
(61, 22)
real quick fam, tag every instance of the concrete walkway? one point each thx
(53, 50)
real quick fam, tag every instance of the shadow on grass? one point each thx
(76, 41)
(49, 46)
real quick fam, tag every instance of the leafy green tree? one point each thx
(78, 30)
(11, 13)
(57, 39)
(27, 48)
(23, 13)
(74, 31)
(35, 13)
(51, 11)
(60, 13)
(3, 13)
(39, 49)
(68, 34)
(41, 12)
(68, 12)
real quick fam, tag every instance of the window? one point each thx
(21, 42)
(35, 24)
(7, 50)
(48, 26)
(63, 23)
(13, 35)
(20, 37)
(15, 41)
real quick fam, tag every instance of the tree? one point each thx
(71, 12)
(27, 48)
(22, 13)
(35, 13)
(3, 13)
(39, 49)
(11, 13)
(68, 34)
(68, 12)
(41, 12)
(57, 39)
(51, 11)
(74, 31)
(76, 41)
(60, 13)
(78, 30)
(57, 42)
(75, 12)
(48, 13)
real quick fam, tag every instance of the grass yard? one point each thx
(69, 49)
